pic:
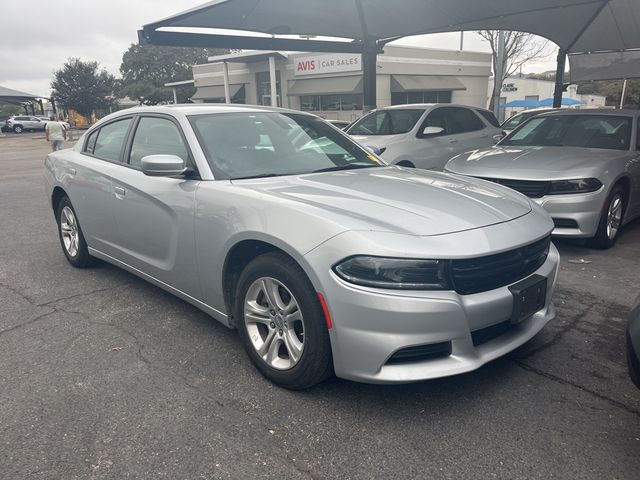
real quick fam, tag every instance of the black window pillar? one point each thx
(369, 72)
(559, 88)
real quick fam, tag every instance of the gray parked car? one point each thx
(278, 224)
(21, 123)
(425, 135)
(582, 166)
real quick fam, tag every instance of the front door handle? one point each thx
(72, 171)
(119, 191)
(453, 140)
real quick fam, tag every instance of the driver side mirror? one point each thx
(162, 165)
(431, 131)
(498, 137)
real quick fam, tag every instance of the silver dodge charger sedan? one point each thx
(324, 258)
(582, 166)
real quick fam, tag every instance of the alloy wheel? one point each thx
(614, 216)
(274, 323)
(69, 231)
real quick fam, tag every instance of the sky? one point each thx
(39, 36)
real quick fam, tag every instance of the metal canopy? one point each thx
(365, 26)
(203, 93)
(15, 97)
(425, 83)
(318, 86)
(574, 25)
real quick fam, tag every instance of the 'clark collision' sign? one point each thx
(333, 63)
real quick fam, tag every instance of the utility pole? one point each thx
(497, 76)
(461, 40)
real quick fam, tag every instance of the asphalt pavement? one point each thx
(104, 376)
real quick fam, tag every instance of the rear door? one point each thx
(155, 215)
(89, 174)
(470, 131)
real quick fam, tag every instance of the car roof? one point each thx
(593, 111)
(423, 106)
(207, 108)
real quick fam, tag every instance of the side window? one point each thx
(489, 117)
(111, 140)
(91, 142)
(436, 118)
(463, 120)
(156, 136)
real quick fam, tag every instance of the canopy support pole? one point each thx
(225, 76)
(369, 73)
(175, 96)
(559, 88)
(273, 81)
(624, 91)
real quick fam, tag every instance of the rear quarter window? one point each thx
(489, 117)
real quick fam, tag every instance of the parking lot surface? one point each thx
(105, 376)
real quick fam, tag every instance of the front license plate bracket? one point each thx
(529, 297)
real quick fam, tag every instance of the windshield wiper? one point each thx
(261, 175)
(344, 167)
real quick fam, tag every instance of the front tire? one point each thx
(610, 220)
(71, 238)
(18, 129)
(281, 322)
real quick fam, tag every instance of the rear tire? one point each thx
(71, 237)
(610, 220)
(281, 322)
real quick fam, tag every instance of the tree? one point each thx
(612, 89)
(83, 87)
(519, 49)
(146, 68)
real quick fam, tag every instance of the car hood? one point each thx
(541, 163)
(394, 199)
(378, 141)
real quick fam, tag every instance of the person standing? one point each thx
(56, 134)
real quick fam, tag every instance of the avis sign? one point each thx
(334, 63)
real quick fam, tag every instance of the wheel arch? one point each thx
(57, 195)
(625, 182)
(238, 257)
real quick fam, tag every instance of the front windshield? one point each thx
(516, 120)
(587, 131)
(257, 144)
(387, 122)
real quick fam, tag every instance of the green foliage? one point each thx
(83, 87)
(146, 68)
(612, 89)
(8, 110)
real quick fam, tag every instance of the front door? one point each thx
(155, 215)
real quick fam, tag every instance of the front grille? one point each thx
(530, 188)
(564, 223)
(481, 274)
(487, 334)
(421, 352)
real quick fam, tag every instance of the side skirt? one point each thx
(218, 315)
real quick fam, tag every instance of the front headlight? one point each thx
(396, 273)
(579, 185)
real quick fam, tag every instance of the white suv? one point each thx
(21, 123)
(425, 135)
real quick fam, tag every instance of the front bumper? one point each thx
(584, 209)
(370, 325)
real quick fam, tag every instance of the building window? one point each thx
(330, 103)
(403, 98)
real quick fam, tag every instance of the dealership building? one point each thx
(330, 85)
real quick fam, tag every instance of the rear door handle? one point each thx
(119, 191)
(72, 171)
(453, 140)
